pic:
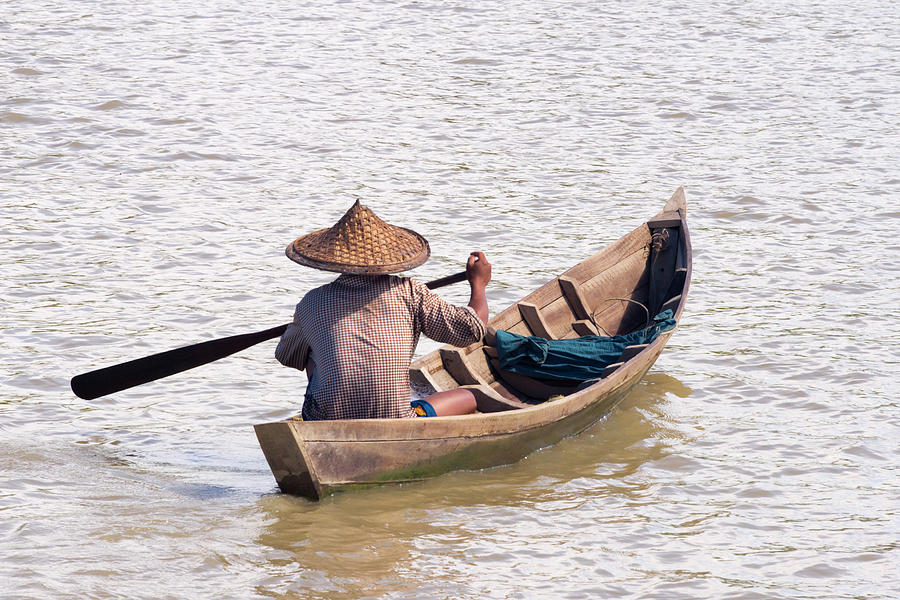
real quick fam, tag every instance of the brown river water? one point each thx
(156, 157)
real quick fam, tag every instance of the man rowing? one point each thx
(356, 336)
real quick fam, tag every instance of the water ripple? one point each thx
(155, 160)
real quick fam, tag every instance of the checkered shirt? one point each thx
(359, 333)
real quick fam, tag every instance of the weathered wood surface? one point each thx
(583, 327)
(572, 292)
(320, 457)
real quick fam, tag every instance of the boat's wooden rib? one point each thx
(611, 369)
(584, 327)
(632, 351)
(677, 281)
(572, 291)
(608, 290)
(671, 304)
(531, 314)
(459, 368)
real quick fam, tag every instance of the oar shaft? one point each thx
(448, 280)
(122, 376)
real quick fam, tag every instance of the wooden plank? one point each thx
(558, 317)
(477, 361)
(457, 365)
(429, 371)
(532, 315)
(520, 327)
(631, 351)
(422, 382)
(611, 257)
(585, 327)
(444, 380)
(665, 219)
(634, 243)
(671, 304)
(678, 280)
(500, 387)
(620, 281)
(662, 268)
(288, 462)
(620, 317)
(677, 202)
(572, 291)
(610, 370)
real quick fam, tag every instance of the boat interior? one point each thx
(618, 290)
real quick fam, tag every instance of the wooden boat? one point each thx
(614, 291)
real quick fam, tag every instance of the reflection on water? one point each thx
(368, 543)
(156, 158)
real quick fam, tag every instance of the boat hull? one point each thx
(315, 468)
(317, 458)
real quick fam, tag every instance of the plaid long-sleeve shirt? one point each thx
(358, 333)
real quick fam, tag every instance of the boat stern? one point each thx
(287, 459)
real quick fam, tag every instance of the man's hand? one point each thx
(478, 269)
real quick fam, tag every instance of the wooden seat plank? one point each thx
(572, 291)
(666, 219)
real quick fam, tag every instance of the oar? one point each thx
(150, 368)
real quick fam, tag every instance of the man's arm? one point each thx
(293, 348)
(478, 272)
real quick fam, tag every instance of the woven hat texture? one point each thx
(360, 243)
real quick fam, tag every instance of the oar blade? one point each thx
(122, 376)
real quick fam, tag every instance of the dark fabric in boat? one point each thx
(577, 359)
(427, 409)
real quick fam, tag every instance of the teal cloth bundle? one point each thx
(577, 359)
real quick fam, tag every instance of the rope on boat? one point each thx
(659, 241)
(601, 328)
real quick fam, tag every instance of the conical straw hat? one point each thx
(360, 243)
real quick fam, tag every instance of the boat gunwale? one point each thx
(455, 427)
